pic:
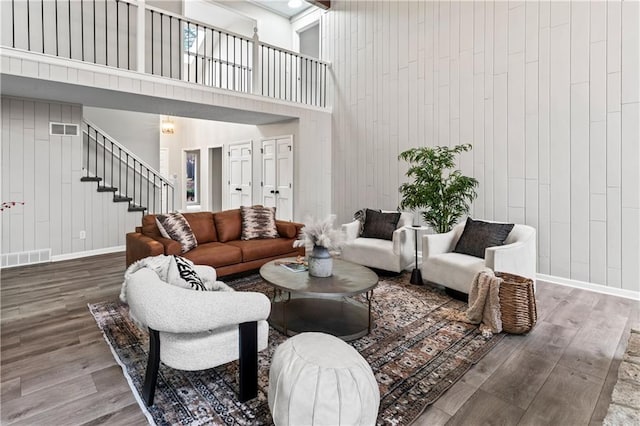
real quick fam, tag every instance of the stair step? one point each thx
(90, 179)
(133, 208)
(121, 199)
(107, 189)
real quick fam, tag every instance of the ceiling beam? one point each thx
(323, 4)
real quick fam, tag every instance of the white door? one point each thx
(277, 176)
(239, 175)
(269, 182)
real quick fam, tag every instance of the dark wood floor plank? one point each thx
(485, 409)
(36, 403)
(519, 378)
(571, 323)
(568, 397)
(594, 345)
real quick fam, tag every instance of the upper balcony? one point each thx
(131, 35)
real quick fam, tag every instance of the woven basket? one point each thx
(517, 303)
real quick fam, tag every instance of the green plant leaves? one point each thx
(443, 194)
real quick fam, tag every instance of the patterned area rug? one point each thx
(414, 352)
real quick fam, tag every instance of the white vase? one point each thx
(320, 262)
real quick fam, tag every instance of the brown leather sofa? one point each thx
(219, 243)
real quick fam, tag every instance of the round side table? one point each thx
(416, 275)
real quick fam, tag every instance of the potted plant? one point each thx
(442, 193)
(323, 237)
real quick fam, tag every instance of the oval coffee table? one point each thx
(302, 303)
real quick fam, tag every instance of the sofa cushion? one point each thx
(228, 225)
(258, 222)
(214, 254)
(175, 227)
(479, 235)
(452, 270)
(380, 225)
(261, 249)
(202, 226)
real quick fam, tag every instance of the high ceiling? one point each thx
(281, 7)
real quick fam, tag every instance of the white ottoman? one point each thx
(317, 379)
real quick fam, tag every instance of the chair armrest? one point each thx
(402, 241)
(517, 258)
(206, 273)
(139, 246)
(351, 230)
(434, 244)
(173, 309)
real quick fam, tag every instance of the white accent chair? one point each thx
(197, 330)
(395, 255)
(456, 271)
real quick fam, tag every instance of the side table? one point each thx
(416, 275)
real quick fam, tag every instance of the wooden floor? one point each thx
(58, 370)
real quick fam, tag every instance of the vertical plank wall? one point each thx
(44, 171)
(547, 92)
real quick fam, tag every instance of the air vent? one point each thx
(25, 258)
(63, 129)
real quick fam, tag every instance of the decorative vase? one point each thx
(320, 262)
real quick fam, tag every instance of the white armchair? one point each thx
(197, 330)
(442, 266)
(395, 255)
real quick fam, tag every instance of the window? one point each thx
(192, 181)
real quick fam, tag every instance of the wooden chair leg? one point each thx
(248, 360)
(151, 376)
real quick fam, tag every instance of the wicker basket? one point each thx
(517, 303)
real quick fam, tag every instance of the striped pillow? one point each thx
(175, 227)
(258, 222)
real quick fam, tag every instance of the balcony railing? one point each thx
(131, 35)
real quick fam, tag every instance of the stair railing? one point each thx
(116, 169)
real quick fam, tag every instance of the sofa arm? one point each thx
(434, 244)
(170, 246)
(173, 309)
(402, 241)
(516, 258)
(351, 230)
(139, 246)
(286, 229)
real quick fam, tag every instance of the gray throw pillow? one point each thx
(479, 235)
(380, 225)
(361, 216)
(175, 227)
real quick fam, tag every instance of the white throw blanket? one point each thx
(484, 304)
(167, 270)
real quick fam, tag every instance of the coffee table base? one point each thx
(343, 318)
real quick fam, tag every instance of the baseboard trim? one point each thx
(81, 254)
(627, 294)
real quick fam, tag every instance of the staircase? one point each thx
(117, 170)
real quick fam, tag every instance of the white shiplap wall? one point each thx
(547, 92)
(44, 171)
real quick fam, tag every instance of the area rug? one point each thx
(415, 353)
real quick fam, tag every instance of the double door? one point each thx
(277, 176)
(275, 188)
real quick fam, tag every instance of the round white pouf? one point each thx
(317, 379)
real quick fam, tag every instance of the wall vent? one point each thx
(31, 257)
(63, 129)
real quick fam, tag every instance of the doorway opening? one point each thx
(215, 176)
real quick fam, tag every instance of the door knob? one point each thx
(238, 189)
(272, 191)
